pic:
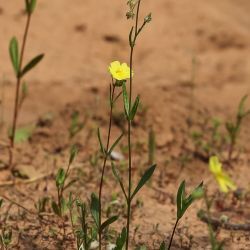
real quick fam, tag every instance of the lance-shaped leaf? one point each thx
(73, 153)
(120, 241)
(55, 208)
(147, 175)
(125, 100)
(60, 178)
(31, 64)
(134, 108)
(14, 54)
(94, 207)
(100, 141)
(183, 203)
(118, 178)
(180, 198)
(115, 143)
(108, 222)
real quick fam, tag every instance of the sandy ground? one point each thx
(80, 39)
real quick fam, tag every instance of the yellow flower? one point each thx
(224, 181)
(119, 71)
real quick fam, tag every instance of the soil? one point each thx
(192, 64)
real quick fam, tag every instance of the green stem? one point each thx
(172, 236)
(130, 126)
(104, 164)
(19, 78)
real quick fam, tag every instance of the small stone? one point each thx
(116, 156)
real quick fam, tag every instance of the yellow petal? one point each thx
(214, 165)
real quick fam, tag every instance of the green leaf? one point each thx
(108, 222)
(184, 203)
(23, 134)
(73, 154)
(125, 99)
(31, 64)
(64, 206)
(60, 178)
(115, 143)
(55, 208)
(14, 54)
(241, 109)
(120, 241)
(134, 108)
(100, 141)
(180, 198)
(118, 178)
(94, 207)
(147, 175)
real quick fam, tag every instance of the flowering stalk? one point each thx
(135, 31)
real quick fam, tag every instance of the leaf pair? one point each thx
(144, 179)
(182, 202)
(15, 59)
(103, 150)
(130, 114)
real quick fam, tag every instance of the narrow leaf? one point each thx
(94, 207)
(147, 175)
(14, 54)
(100, 141)
(55, 208)
(73, 153)
(60, 178)
(120, 241)
(125, 99)
(31, 64)
(118, 178)
(108, 222)
(180, 198)
(115, 143)
(134, 108)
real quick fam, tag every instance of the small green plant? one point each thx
(6, 238)
(225, 185)
(60, 206)
(20, 72)
(183, 203)
(211, 139)
(233, 129)
(76, 125)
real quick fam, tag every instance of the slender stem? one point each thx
(172, 236)
(15, 115)
(104, 164)
(130, 126)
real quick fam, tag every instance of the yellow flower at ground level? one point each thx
(119, 71)
(224, 181)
